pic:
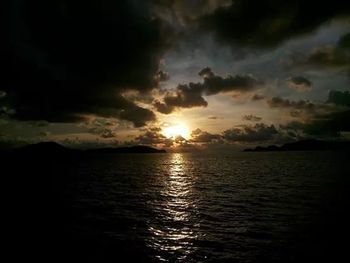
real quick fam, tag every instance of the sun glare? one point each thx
(179, 129)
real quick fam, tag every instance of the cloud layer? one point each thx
(76, 58)
(265, 24)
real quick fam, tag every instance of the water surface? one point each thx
(196, 207)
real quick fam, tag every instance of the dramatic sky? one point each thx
(175, 74)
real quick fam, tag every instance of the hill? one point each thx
(305, 145)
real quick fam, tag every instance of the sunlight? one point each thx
(179, 129)
(177, 212)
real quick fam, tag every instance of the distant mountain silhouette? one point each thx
(305, 145)
(55, 148)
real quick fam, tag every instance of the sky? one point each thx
(180, 75)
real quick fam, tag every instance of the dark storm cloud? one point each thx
(251, 118)
(344, 41)
(341, 98)
(184, 12)
(186, 96)
(337, 55)
(326, 56)
(162, 76)
(162, 107)
(214, 84)
(199, 136)
(257, 97)
(64, 59)
(137, 115)
(303, 108)
(330, 56)
(330, 125)
(278, 102)
(267, 23)
(328, 119)
(6, 112)
(299, 83)
(191, 95)
(249, 133)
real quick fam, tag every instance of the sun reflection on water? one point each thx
(172, 230)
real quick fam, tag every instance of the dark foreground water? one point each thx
(239, 207)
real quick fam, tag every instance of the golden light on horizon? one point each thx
(175, 130)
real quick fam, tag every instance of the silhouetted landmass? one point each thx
(55, 148)
(305, 145)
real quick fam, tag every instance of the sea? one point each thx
(183, 207)
(201, 207)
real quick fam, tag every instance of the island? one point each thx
(305, 145)
(55, 148)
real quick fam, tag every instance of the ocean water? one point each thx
(197, 207)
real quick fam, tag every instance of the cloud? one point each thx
(81, 59)
(153, 136)
(186, 96)
(304, 109)
(327, 56)
(199, 136)
(249, 133)
(257, 97)
(162, 76)
(162, 107)
(251, 118)
(328, 125)
(299, 83)
(137, 115)
(191, 95)
(341, 98)
(328, 119)
(265, 24)
(6, 112)
(103, 132)
(182, 13)
(278, 102)
(214, 84)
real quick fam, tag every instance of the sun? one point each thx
(179, 129)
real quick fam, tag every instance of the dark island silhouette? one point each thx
(55, 148)
(305, 145)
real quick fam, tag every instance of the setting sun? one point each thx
(175, 130)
